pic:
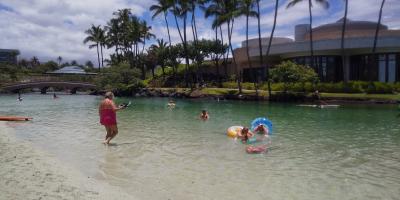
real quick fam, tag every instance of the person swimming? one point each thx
(55, 96)
(19, 97)
(171, 103)
(204, 115)
(246, 135)
(261, 128)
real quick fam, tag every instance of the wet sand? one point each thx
(29, 173)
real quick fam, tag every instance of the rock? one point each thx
(196, 94)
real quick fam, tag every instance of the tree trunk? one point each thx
(166, 22)
(377, 28)
(217, 59)
(193, 25)
(140, 60)
(186, 50)
(224, 56)
(259, 45)
(102, 60)
(98, 55)
(269, 46)
(238, 78)
(311, 35)
(342, 40)
(183, 41)
(248, 53)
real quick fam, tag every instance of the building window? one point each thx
(323, 65)
(382, 68)
(328, 68)
(391, 68)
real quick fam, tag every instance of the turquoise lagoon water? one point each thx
(352, 152)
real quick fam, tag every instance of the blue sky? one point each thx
(51, 28)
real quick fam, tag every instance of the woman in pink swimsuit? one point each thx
(108, 116)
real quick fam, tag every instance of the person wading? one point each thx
(108, 116)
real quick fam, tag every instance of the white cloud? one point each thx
(52, 28)
(39, 28)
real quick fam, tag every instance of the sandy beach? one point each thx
(29, 173)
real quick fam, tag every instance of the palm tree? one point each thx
(246, 8)
(94, 36)
(192, 8)
(162, 7)
(113, 36)
(214, 9)
(160, 49)
(59, 59)
(102, 43)
(229, 11)
(259, 41)
(378, 27)
(146, 35)
(325, 4)
(269, 45)
(342, 38)
(35, 61)
(181, 9)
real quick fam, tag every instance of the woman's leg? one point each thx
(114, 132)
(108, 135)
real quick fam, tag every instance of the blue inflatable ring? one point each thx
(264, 121)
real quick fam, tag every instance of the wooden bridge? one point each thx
(44, 85)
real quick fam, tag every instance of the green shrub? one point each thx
(290, 73)
(396, 87)
(231, 84)
(380, 88)
(248, 86)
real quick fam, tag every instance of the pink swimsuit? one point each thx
(108, 117)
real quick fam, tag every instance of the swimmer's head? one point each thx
(245, 131)
(204, 112)
(109, 95)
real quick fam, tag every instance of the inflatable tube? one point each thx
(233, 131)
(264, 121)
(13, 118)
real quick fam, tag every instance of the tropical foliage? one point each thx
(128, 35)
(290, 73)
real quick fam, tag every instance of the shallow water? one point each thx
(352, 152)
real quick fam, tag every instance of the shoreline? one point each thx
(28, 173)
(248, 95)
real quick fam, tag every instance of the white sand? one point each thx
(28, 173)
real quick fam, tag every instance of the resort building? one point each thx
(359, 63)
(9, 56)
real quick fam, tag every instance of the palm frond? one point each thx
(293, 3)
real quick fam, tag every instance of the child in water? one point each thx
(246, 135)
(262, 129)
(204, 115)
(171, 103)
